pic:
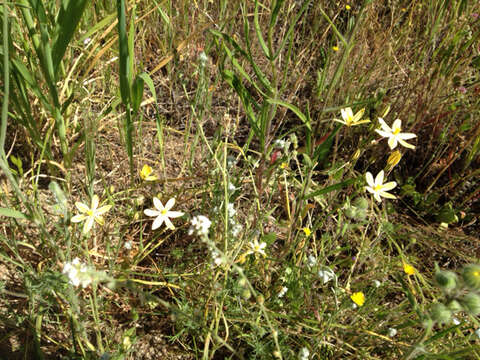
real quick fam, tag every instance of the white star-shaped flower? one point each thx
(351, 120)
(163, 213)
(91, 214)
(257, 248)
(378, 188)
(394, 134)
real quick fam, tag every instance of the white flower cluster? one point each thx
(200, 225)
(282, 144)
(326, 275)
(282, 292)
(78, 273)
(304, 354)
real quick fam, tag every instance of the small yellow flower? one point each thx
(358, 298)
(351, 120)
(394, 159)
(283, 165)
(356, 154)
(146, 172)
(409, 269)
(335, 48)
(307, 231)
(348, 7)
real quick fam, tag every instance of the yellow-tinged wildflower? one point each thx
(163, 213)
(257, 248)
(146, 172)
(307, 231)
(348, 7)
(352, 120)
(283, 165)
(409, 269)
(356, 154)
(90, 214)
(394, 134)
(358, 298)
(335, 48)
(394, 159)
(378, 188)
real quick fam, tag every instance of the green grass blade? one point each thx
(258, 30)
(124, 54)
(68, 17)
(330, 188)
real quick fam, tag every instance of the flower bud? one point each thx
(454, 306)
(246, 294)
(471, 303)
(471, 276)
(447, 280)
(361, 203)
(440, 313)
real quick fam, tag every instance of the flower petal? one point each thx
(397, 124)
(344, 114)
(158, 222)
(78, 218)
(82, 207)
(389, 186)
(387, 195)
(358, 115)
(151, 212)
(103, 209)
(170, 204)
(377, 197)
(174, 214)
(383, 133)
(340, 121)
(384, 125)
(406, 136)
(379, 178)
(407, 145)
(392, 142)
(370, 190)
(95, 201)
(88, 225)
(369, 178)
(169, 224)
(158, 204)
(100, 220)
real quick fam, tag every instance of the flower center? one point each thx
(378, 188)
(163, 212)
(476, 273)
(90, 212)
(396, 131)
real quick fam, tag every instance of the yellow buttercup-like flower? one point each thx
(352, 120)
(146, 172)
(409, 269)
(307, 231)
(358, 298)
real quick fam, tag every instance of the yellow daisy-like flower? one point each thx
(307, 231)
(358, 298)
(146, 172)
(335, 48)
(352, 120)
(348, 7)
(90, 214)
(409, 269)
(378, 188)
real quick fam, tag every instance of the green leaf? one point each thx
(295, 109)
(137, 93)
(68, 18)
(258, 30)
(148, 80)
(12, 213)
(323, 149)
(123, 54)
(330, 188)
